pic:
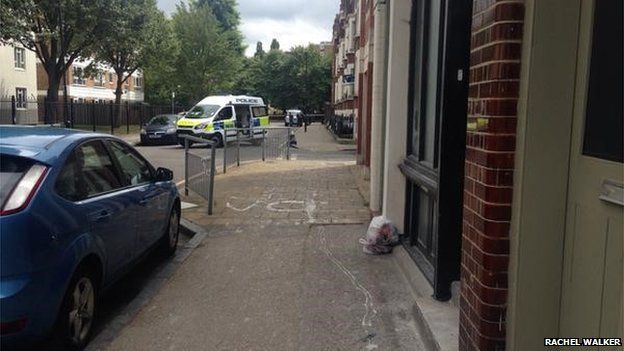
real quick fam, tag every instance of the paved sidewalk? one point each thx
(280, 269)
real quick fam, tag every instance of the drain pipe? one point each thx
(378, 102)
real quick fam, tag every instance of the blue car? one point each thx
(77, 210)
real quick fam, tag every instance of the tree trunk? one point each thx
(118, 93)
(52, 101)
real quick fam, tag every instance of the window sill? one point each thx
(20, 69)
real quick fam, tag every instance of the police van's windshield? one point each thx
(202, 111)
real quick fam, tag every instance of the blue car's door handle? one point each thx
(100, 216)
(146, 200)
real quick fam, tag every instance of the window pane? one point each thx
(134, 169)
(604, 119)
(429, 119)
(87, 172)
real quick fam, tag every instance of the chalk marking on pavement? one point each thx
(310, 207)
(271, 206)
(229, 205)
(370, 311)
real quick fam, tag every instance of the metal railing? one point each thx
(102, 116)
(245, 145)
(257, 143)
(342, 126)
(200, 171)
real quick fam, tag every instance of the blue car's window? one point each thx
(88, 171)
(134, 169)
(11, 171)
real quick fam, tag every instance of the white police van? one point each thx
(217, 117)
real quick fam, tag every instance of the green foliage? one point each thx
(159, 62)
(140, 35)
(224, 11)
(300, 78)
(208, 62)
(275, 45)
(259, 50)
(58, 31)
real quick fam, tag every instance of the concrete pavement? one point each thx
(281, 269)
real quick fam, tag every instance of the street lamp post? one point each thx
(173, 102)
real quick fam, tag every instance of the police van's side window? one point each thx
(259, 111)
(225, 113)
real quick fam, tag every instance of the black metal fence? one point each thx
(94, 115)
(342, 126)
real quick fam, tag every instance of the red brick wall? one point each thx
(490, 143)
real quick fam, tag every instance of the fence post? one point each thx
(127, 117)
(186, 147)
(112, 119)
(213, 170)
(92, 104)
(45, 110)
(13, 110)
(288, 144)
(263, 144)
(224, 150)
(237, 148)
(71, 113)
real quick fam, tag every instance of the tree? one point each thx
(159, 67)
(226, 13)
(58, 31)
(259, 50)
(298, 78)
(138, 34)
(208, 62)
(275, 44)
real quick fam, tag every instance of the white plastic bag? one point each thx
(381, 237)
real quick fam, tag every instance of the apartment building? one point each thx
(82, 87)
(343, 67)
(496, 148)
(18, 81)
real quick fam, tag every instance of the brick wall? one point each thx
(496, 43)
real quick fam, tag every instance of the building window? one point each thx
(20, 58)
(110, 78)
(20, 98)
(99, 79)
(138, 83)
(78, 76)
(604, 119)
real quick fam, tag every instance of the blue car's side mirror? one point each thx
(164, 174)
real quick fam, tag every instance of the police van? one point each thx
(217, 117)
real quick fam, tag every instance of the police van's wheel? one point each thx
(217, 140)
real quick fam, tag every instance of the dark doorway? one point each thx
(438, 93)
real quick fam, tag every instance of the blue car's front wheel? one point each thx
(169, 241)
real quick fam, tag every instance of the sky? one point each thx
(291, 22)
